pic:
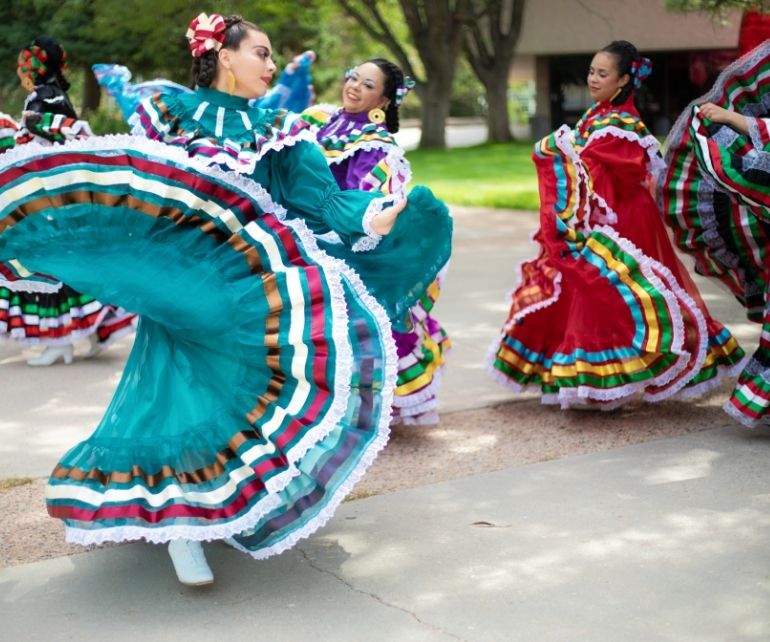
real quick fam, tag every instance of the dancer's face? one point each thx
(251, 64)
(603, 77)
(363, 89)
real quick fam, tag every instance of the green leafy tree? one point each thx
(149, 38)
(717, 7)
(22, 21)
(145, 35)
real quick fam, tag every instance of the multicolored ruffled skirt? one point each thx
(421, 359)
(260, 383)
(50, 313)
(715, 196)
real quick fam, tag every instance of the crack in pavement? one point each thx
(376, 597)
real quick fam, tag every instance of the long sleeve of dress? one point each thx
(621, 174)
(302, 182)
(617, 163)
(737, 168)
(396, 268)
(48, 114)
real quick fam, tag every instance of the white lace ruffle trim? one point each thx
(33, 287)
(362, 146)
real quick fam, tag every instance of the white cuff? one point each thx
(372, 239)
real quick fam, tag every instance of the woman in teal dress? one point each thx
(261, 379)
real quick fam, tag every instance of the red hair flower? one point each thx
(206, 33)
(31, 65)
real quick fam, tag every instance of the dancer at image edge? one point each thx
(715, 195)
(36, 309)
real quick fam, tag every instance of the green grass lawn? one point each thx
(494, 175)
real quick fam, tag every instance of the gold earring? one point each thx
(27, 83)
(617, 93)
(230, 82)
(376, 115)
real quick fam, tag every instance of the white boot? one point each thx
(95, 347)
(51, 355)
(190, 562)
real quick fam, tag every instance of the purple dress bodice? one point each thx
(350, 171)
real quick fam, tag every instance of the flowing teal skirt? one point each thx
(260, 383)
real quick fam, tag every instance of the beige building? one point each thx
(559, 37)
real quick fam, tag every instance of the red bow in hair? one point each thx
(206, 33)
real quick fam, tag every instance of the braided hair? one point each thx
(625, 54)
(54, 62)
(204, 67)
(394, 78)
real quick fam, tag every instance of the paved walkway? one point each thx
(664, 541)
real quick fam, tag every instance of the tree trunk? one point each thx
(434, 99)
(489, 44)
(436, 27)
(91, 91)
(498, 119)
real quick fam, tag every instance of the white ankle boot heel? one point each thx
(190, 562)
(51, 355)
(94, 346)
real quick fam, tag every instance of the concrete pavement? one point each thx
(458, 134)
(660, 541)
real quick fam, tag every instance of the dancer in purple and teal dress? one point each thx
(260, 383)
(716, 197)
(36, 309)
(357, 141)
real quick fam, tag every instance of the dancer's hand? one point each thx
(383, 222)
(717, 114)
(30, 118)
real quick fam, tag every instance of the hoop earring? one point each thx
(230, 82)
(376, 115)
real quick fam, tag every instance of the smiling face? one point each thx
(363, 89)
(251, 64)
(603, 77)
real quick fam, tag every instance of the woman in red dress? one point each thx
(606, 313)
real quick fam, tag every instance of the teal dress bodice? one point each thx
(277, 150)
(271, 146)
